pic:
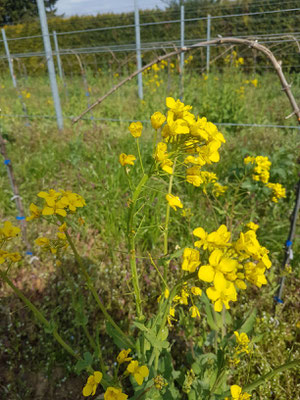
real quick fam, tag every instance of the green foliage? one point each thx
(85, 160)
(249, 26)
(19, 11)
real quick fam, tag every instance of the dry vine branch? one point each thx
(220, 41)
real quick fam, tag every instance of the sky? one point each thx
(93, 7)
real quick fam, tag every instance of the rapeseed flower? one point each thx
(125, 159)
(222, 296)
(253, 226)
(236, 393)
(196, 291)
(219, 190)
(213, 240)
(157, 120)
(114, 394)
(174, 201)
(35, 212)
(5, 255)
(123, 356)
(242, 342)
(219, 265)
(194, 312)
(92, 383)
(139, 372)
(278, 191)
(135, 129)
(191, 259)
(9, 231)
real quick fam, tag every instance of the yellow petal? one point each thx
(87, 390)
(215, 257)
(219, 281)
(235, 391)
(144, 371)
(138, 377)
(206, 273)
(212, 293)
(97, 376)
(218, 305)
(61, 212)
(48, 211)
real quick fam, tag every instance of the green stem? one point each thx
(94, 292)
(167, 308)
(223, 321)
(154, 142)
(39, 316)
(267, 376)
(99, 351)
(166, 230)
(131, 246)
(139, 152)
(90, 339)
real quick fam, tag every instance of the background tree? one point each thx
(16, 11)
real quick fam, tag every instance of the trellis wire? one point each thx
(246, 125)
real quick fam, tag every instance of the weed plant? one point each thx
(84, 160)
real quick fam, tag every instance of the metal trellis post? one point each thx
(50, 63)
(11, 68)
(57, 55)
(208, 38)
(138, 47)
(181, 45)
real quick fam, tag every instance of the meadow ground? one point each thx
(84, 158)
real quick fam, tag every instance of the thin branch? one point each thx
(218, 41)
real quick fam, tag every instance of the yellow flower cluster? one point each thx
(218, 189)
(139, 372)
(262, 168)
(54, 245)
(190, 262)
(254, 82)
(278, 191)
(234, 59)
(242, 346)
(151, 74)
(7, 232)
(189, 60)
(196, 139)
(56, 203)
(230, 264)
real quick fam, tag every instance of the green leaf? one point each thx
(158, 344)
(88, 357)
(210, 319)
(140, 326)
(249, 322)
(116, 337)
(83, 364)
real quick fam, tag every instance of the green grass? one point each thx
(84, 159)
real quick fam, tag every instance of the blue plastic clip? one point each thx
(20, 218)
(278, 300)
(87, 94)
(6, 162)
(29, 253)
(288, 243)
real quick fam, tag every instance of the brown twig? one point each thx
(220, 41)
